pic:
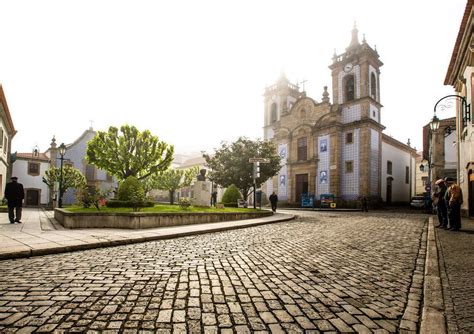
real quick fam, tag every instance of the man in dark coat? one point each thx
(14, 194)
(273, 200)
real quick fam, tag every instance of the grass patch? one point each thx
(159, 208)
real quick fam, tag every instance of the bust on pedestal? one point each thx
(201, 190)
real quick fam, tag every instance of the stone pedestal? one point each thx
(202, 193)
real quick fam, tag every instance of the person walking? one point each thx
(454, 200)
(440, 202)
(14, 194)
(364, 204)
(273, 200)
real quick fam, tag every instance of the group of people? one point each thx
(447, 200)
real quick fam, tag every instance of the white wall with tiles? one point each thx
(283, 174)
(351, 114)
(322, 176)
(374, 162)
(350, 152)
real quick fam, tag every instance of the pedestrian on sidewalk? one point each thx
(274, 201)
(454, 200)
(14, 194)
(440, 202)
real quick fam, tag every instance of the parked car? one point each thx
(418, 202)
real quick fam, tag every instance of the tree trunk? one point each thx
(171, 197)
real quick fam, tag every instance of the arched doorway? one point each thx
(388, 195)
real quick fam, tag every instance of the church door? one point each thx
(388, 198)
(301, 186)
(32, 197)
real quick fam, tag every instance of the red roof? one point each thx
(30, 156)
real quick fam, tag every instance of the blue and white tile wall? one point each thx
(283, 174)
(350, 152)
(374, 161)
(351, 114)
(374, 113)
(322, 176)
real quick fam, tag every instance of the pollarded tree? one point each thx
(129, 153)
(173, 179)
(230, 164)
(72, 178)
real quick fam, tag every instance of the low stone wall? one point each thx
(138, 220)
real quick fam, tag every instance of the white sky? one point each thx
(193, 72)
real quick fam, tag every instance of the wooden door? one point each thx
(32, 197)
(301, 186)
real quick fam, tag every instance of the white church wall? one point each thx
(400, 160)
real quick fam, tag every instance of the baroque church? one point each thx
(337, 148)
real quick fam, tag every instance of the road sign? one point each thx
(261, 160)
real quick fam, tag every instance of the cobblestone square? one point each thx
(321, 273)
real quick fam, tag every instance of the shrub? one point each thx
(92, 196)
(132, 190)
(114, 203)
(231, 195)
(184, 203)
(129, 188)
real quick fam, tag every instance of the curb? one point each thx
(432, 318)
(121, 242)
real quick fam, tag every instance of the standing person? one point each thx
(440, 202)
(273, 200)
(214, 198)
(364, 204)
(14, 194)
(453, 200)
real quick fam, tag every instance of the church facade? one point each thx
(337, 148)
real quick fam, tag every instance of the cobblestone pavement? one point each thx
(322, 273)
(457, 275)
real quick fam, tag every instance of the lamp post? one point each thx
(434, 126)
(62, 152)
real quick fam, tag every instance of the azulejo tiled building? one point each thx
(337, 148)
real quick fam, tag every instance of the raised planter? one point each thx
(138, 220)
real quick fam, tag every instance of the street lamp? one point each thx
(62, 152)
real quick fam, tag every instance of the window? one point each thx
(302, 149)
(5, 142)
(373, 86)
(273, 113)
(1, 137)
(349, 166)
(407, 175)
(33, 168)
(349, 88)
(389, 167)
(349, 138)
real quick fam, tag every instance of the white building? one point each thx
(7, 132)
(30, 169)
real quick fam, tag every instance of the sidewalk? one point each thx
(40, 234)
(456, 254)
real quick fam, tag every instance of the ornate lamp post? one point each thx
(62, 152)
(434, 126)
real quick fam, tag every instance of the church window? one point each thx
(33, 168)
(349, 166)
(407, 174)
(273, 113)
(373, 86)
(389, 167)
(349, 138)
(302, 149)
(349, 88)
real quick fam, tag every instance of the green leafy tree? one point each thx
(72, 178)
(129, 152)
(173, 179)
(230, 164)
